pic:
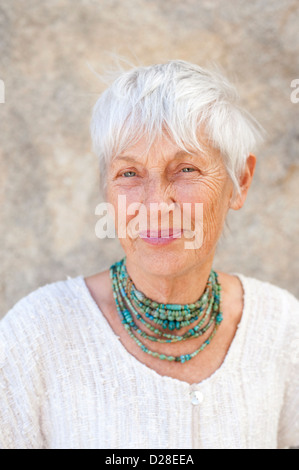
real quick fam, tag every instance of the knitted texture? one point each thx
(66, 381)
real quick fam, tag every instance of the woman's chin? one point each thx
(160, 258)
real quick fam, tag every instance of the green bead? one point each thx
(132, 304)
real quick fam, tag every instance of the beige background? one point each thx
(48, 174)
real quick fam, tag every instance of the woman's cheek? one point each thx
(213, 198)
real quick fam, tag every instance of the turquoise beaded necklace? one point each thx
(133, 305)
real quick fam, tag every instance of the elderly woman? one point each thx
(160, 350)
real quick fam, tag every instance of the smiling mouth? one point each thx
(154, 234)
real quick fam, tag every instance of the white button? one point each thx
(196, 397)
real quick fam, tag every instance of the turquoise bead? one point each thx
(132, 304)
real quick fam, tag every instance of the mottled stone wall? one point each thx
(49, 184)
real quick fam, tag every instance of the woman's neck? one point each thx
(184, 287)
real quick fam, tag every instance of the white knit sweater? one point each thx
(66, 381)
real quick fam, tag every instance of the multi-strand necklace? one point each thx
(133, 305)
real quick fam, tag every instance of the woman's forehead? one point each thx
(164, 149)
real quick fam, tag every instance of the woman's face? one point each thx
(168, 175)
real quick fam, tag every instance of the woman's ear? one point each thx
(237, 202)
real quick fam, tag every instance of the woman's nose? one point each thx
(158, 190)
(160, 204)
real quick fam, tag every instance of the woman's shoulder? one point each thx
(264, 291)
(272, 308)
(36, 311)
(272, 322)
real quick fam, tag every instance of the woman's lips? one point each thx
(160, 237)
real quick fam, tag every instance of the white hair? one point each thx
(177, 97)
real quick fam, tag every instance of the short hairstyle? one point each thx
(179, 97)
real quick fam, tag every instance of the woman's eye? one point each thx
(188, 168)
(126, 172)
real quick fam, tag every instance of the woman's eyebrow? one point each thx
(178, 154)
(124, 157)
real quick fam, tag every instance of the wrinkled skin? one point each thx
(158, 176)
